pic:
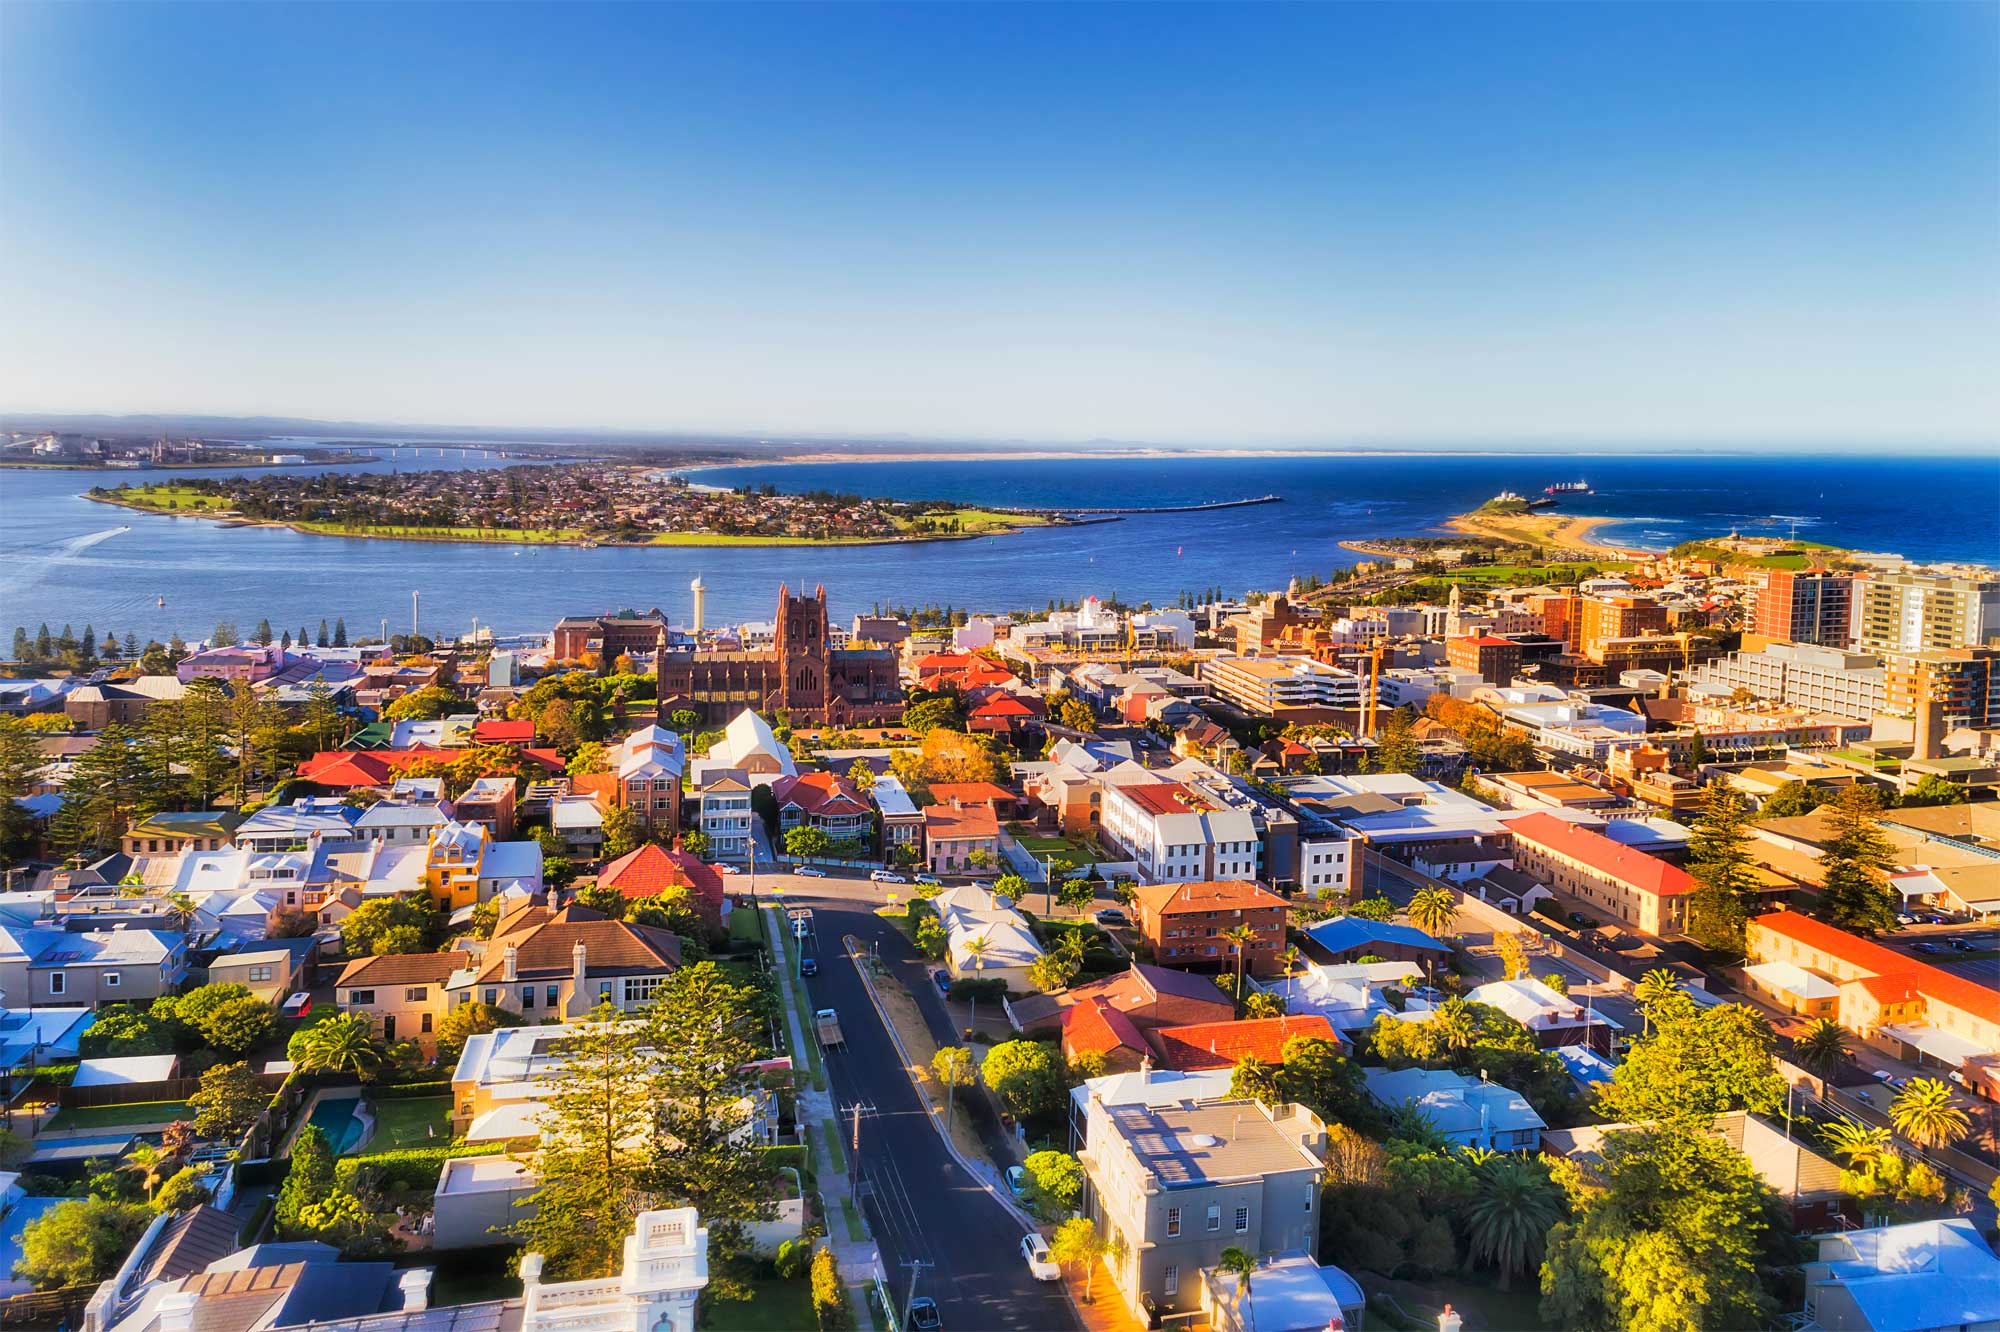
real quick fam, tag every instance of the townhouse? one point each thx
(173, 833)
(826, 801)
(1642, 892)
(960, 838)
(649, 765)
(1175, 833)
(41, 966)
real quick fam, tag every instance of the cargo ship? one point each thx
(1568, 488)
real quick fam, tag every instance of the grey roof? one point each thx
(189, 1243)
(1931, 1274)
(1189, 1145)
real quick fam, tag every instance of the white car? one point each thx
(886, 876)
(930, 881)
(726, 869)
(1041, 1265)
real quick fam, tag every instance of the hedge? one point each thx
(979, 989)
(410, 1167)
(410, 1091)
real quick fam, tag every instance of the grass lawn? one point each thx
(1078, 853)
(802, 1005)
(403, 1123)
(745, 925)
(856, 1232)
(181, 499)
(773, 1306)
(117, 1116)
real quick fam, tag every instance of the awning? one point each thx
(1940, 1045)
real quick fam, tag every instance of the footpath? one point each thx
(860, 1258)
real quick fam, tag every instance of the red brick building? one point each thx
(801, 675)
(1185, 923)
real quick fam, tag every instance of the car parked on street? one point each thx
(924, 1315)
(722, 867)
(810, 871)
(886, 876)
(808, 965)
(930, 881)
(1041, 1265)
(942, 979)
(1962, 945)
(1926, 947)
(1017, 1181)
(1111, 917)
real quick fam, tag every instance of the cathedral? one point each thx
(801, 674)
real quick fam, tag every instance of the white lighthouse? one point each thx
(700, 595)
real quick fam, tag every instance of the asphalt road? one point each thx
(920, 1203)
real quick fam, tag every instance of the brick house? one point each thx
(1184, 924)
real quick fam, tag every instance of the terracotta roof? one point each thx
(498, 732)
(1095, 1027)
(611, 947)
(948, 823)
(1001, 705)
(1209, 895)
(404, 969)
(1164, 798)
(644, 871)
(1224, 1044)
(377, 767)
(820, 793)
(1635, 869)
(1899, 975)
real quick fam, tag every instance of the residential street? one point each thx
(921, 1204)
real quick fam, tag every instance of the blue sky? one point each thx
(1684, 223)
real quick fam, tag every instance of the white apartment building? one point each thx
(1799, 675)
(1176, 834)
(1265, 685)
(1328, 864)
(1915, 612)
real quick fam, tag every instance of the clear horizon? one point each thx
(1544, 228)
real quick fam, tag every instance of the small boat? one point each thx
(163, 601)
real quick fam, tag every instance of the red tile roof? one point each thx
(1211, 895)
(1892, 975)
(378, 767)
(944, 823)
(1164, 798)
(1635, 869)
(821, 793)
(1096, 1027)
(970, 793)
(1224, 1044)
(649, 870)
(497, 732)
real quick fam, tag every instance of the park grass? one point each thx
(118, 1116)
(172, 499)
(407, 1123)
(775, 1305)
(1551, 573)
(836, 1153)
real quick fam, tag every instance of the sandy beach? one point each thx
(1550, 530)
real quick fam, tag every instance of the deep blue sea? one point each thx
(64, 559)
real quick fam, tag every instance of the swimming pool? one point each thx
(339, 1119)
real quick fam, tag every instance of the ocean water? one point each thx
(64, 559)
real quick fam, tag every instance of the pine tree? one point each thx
(264, 632)
(1719, 861)
(285, 641)
(1854, 891)
(87, 648)
(597, 1120)
(131, 646)
(109, 651)
(340, 633)
(321, 640)
(22, 646)
(45, 645)
(224, 636)
(309, 1181)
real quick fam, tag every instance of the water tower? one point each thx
(700, 595)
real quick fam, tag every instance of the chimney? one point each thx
(1449, 1321)
(1145, 1068)
(510, 964)
(176, 1311)
(576, 962)
(416, 1287)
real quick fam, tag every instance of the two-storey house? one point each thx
(1185, 923)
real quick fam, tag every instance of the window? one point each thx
(1170, 1281)
(1173, 1222)
(111, 980)
(416, 994)
(260, 973)
(361, 996)
(426, 1022)
(493, 996)
(1242, 1220)
(553, 997)
(527, 996)
(1214, 1217)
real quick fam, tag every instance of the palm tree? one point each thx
(149, 1163)
(1240, 939)
(1923, 1112)
(342, 1044)
(1451, 1025)
(1654, 986)
(1433, 910)
(1510, 1214)
(975, 947)
(1860, 1143)
(1821, 1047)
(1237, 1262)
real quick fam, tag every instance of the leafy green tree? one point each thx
(829, 1293)
(183, 1190)
(695, 842)
(426, 704)
(1674, 1240)
(227, 1102)
(670, 909)
(238, 1025)
(921, 717)
(386, 925)
(1077, 1243)
(345, 1221)
(1027, 1076)
(805, 842)
(1933, 790)
(309, 1181)
(1695, 1063)
(79, 1243)
(469, 1020)
(592, 1157)
(121, 1030)
(862, 776)
(1057, 1182)
(114, 783)
(1725, 896)
(952, 1066)
(1371, 908)
(1396, 746)
(1791, 800)
(1854, 890)
(1254, 1080)
(344, 1043)
(1925, 1113)
(604, 898)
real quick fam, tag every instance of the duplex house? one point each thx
(1177, 1184)
(561, 965)
(404, 995)
(1184, 923)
